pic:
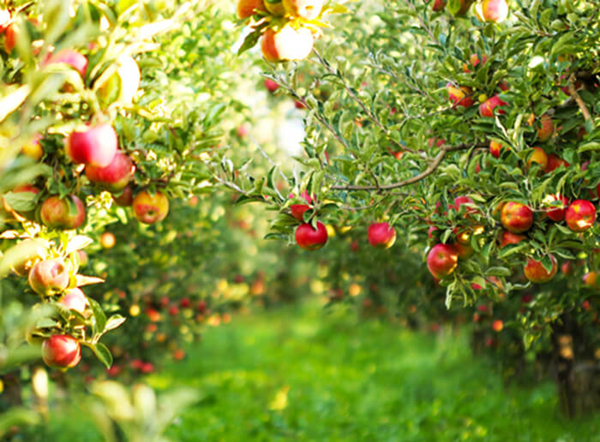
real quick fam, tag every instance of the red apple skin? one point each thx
(580, 215)
(309, 238)
(10, 38)
(381, 235)
(546, 129)
(439, 5)
(96, 146)
(306, 9)
(113, 177)
(74, 299)
(49, 277)
(459, 201)
(61, 351)
(492, 11)
(298, 210)
(510, 238)
(442, 260)
(516, 217)
(72, 58)
(288, 44)
(535, 271)
(487, 108)
(460, 96)
(495, 149)
(247, 8)
(150, 209)
(464, 251)
(557, 214)
(271, 85)
(125, 199)
(554, 162)
(4, 19)
(64, 214)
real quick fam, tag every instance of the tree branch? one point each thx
(584, 110)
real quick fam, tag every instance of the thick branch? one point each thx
(582, 106)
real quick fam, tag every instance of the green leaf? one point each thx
(102, 353)
(99, 316)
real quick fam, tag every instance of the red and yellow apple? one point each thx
(113, 177)
(61, 351)
(49, 277)
(510, 238)
(66, 213)
(516, 217)
(74, 299)
(487, 108)
(442, 260)
(150, 208)
(95, 146)
(125, 198)
(538, 156)
(535, 271)
(247, 8)
(310, 238)
(557, 207)
(554, 162)
(580, 215)
(491, 11)
(546, 129)
(288, 44)
(460, 96)
(381, 235)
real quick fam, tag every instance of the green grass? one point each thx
(353, 381)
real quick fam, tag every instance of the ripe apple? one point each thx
(147, 367)
(580, 215)
(288, 44)
(185, 303)
(464, 251)
(439, 5)
(538, 156)
(298, 210)
(486, 109)
(72, 58)
(558, 207)
(125, 199)
(306, 9)
(113, 177)
(271, 85)
(510, 238)
(535, 271)
(491, 11)
(590, 279)
(178, 355)
(121, 86)
(63, 213)
(497, 325)
(554, 162)
(442, 260)
(174, 310)
(74, 299)
(459, 201)
(61, 351)
(10, 38)
(309, 238)
(516, 217)
(381, 235)
(247, 8)
(96, 146)
(474, 61)
(107, 240)
(33, 148)
(150, 209)
(49, 277)
(460, 96)
(495, 149)
(546, 129)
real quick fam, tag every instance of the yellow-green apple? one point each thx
(49, 277)
(539, 156)
(298, 210)
(510, 238)
(491, 11)
(33, 148)
(61, 351)
(580, 215)
(536, 272)
(125, 198)
(287, 44)
(554, 162)
(546, 129)
(442, 260)
(516, 217)
(487, 108)
(69, 57)
(275, 7)
(74, 299)
(460, 96)
(150, 208)
(381, 235)
(121, 86)
(310, 238)
(113, 177)
(247, 8)
(557, 207)
(95, 146)
(63, 213)
(306, 9)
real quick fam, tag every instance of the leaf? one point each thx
(99, 316)
(113, 322)
(498, 271)
(88, 280)
(102, 353)
(13, 100)
(78, 242)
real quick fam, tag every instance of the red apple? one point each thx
(461, 200)
(72, 58)
(150, 209)
(546, 129)
(554, 162)
(271, 85)
(309, 238)
(538, 156)
(495, 149)
(535, 271)
(558, 207)
(306, 9)
(50, 277)
(10, 37)
(247, 8)
(147, 367)
(125, 199)
(510, 238)
(497, 325)
(174, 310)
(61, 351)
(580, 215)
(113, 177)
(464, 251)
(74, 299)
(63, 213)
(474, 61)
(442, 260)
(460, 96)
(381, 235)
(298, 210)
(516, 217)
(96, 146)
(288, 44)
(439, 5)
(486, 109)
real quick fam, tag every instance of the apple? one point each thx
(474, 61)
(580, 215)
(185, 303)
(486, 109)
(510, 238)
(496, 149)
(590, 278)
(546, 129)
(306, 9)
(107, 240)
(178, 355)
(516, 217)
(460, 96)
(74, 299)
(10, 37)
(247, 8)
(491, 11)
(439, 5)
(113, 371)
(464, 251)
(49, 277)
(459, 201)
(33, 148)
(442, 260)
(558, 207)
(150, 209)
(538, 156)
(535, 271)
(95, 146)
(567, 268)
(61, 351)
(69, 57)
(298, 210)
(497, 325)
(310, 238)
(554, 162)
(66, 213)
(381, 235)
(288, 44)
(113, 177)
(147, 367)
(123, 84)
(271, 85)
(125, 199)
(174, 310)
